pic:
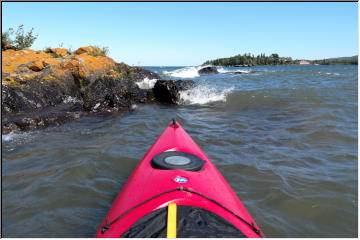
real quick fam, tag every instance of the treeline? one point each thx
(248, 59)
(337, 61)
(251, 60)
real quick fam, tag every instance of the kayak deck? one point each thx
(150, 189)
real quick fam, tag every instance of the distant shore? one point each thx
(250, 60)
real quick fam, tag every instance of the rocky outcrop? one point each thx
(113, 94)
(41, 88)
(208, 70)
(168, 91)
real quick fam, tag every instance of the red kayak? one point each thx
(175, 191)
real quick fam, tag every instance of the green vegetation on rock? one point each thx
(18, 39)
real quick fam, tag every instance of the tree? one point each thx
(22, 40)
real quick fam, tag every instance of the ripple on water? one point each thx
(285, 140)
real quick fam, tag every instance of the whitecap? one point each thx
(223, 70)
(187, 72)
(203, 94)
(13, 136)
(147, 83)
(242, 71)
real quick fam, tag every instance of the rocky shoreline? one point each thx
(43, 88)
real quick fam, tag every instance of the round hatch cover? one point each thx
(177, 160)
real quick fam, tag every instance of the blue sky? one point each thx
(183, 34)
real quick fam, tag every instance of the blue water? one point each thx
(284, 137)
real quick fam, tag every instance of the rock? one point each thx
(41, 118)
(31, 95)
(243, 72)
(106, 94)
(208, 70)
(36, 66)
(244, 65)
(167, 91)
(62, 52)
(136, 74)
(114, 94)
(88, 68)
(183, 85)
(50, 87)
(88, 50)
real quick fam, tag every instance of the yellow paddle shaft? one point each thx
(171, 221)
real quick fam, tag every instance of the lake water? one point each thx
(284, 137)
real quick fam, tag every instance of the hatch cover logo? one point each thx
(181, 180)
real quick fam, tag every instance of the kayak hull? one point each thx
(149, 189)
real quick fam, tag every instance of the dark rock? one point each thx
(141, 74)
(139, 95)
(243, 72)
(53, 115)
(106, 94)
(113, 94)
(208, 70)
(54, 97)
(183, 85)
(136, 74)
(167, 91)
(244, 65)
(31, 95)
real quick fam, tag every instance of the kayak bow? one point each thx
(175, 191)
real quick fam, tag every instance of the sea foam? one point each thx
(14, 136)
(203, 94)
(187, 72)
(147, 83)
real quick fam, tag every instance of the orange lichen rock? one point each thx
(36, 66)
(88, 50)
(53, 64)
(93, 65)
(13, 59)
(60, 51)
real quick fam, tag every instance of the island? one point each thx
(249, 60)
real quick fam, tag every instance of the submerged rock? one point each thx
(208, 70)
(167, 91)
(243, 72)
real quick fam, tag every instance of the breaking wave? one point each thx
(203, 94)
(147, 83)
(187, 72)
(18, 137)
(192, 72)
(223, 70)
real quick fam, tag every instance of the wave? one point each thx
(14, 136)
(329, 73)
(203, 94)
(187, 72)
(147, 83)
(223, 70)
(192, 72)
